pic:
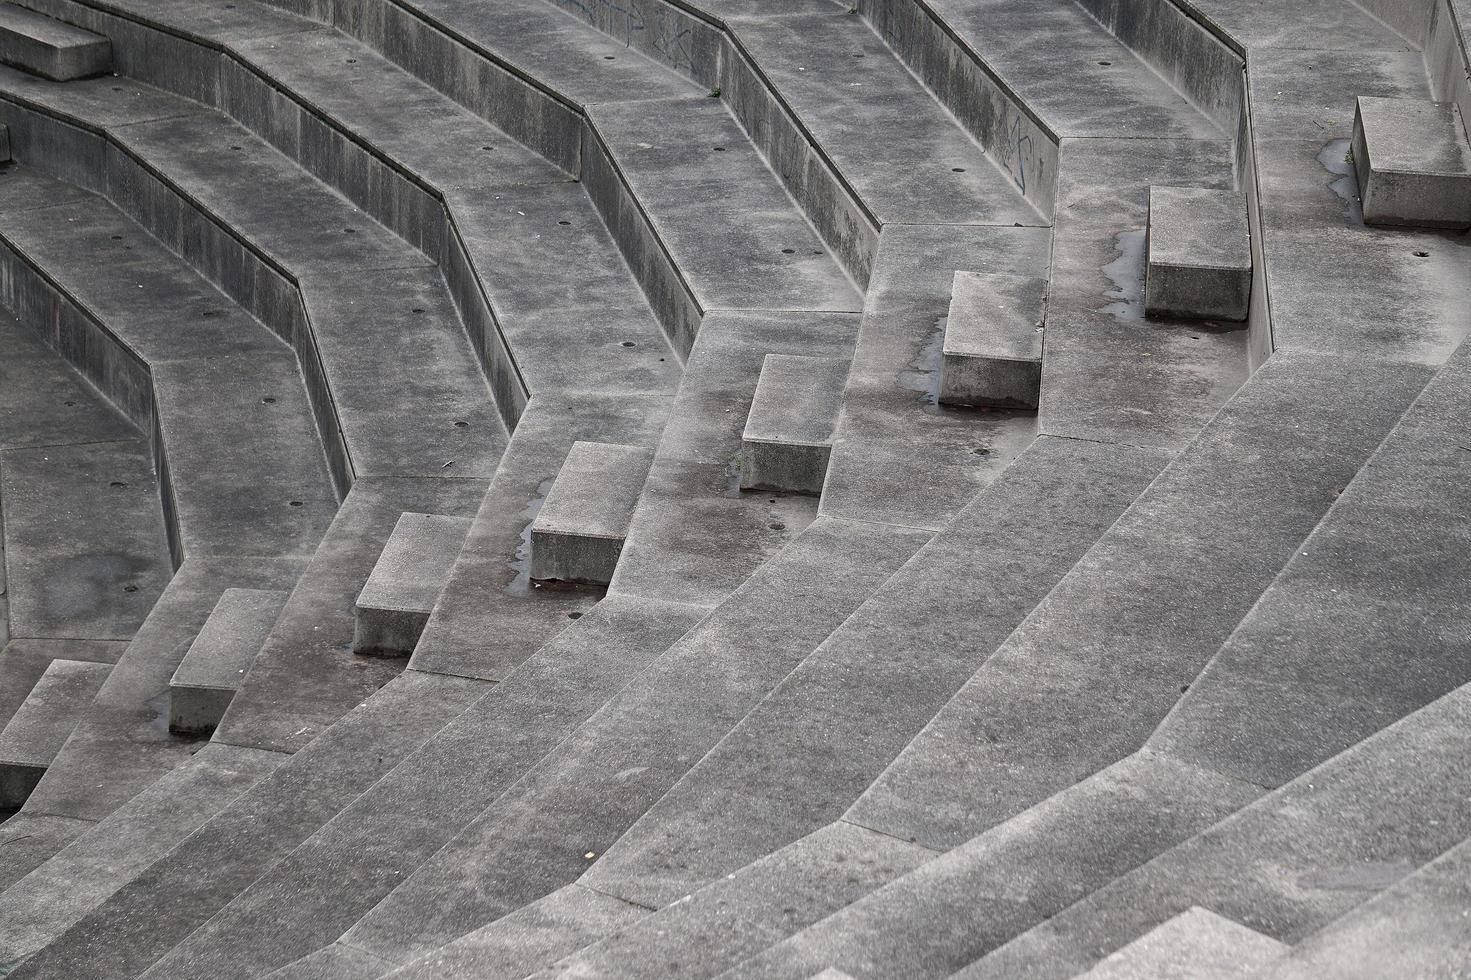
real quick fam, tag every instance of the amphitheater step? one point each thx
(1417, 928)
(211, 671)
(86, 548)
(1197, 944)
(789, 431)
(23, 661)
(39, 728)
(1413, 163)
(992, 354)
(1199, 254)
(41, 905)
(390, 612)
(578, 534)
(51, 48)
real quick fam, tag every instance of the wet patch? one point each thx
(1126, 272)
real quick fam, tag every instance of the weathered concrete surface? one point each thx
(1197, 944)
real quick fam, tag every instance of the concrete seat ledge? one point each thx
(319, 284)
(209, 675)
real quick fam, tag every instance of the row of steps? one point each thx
(180, 960)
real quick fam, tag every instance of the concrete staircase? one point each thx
(861, 492)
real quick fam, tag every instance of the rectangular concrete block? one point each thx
(1413, 163)
(1197, 944)
(578, 533)
(1199, 254)
(406, 582)
(215, 663)
(41, 726)
(51, 48)
(789, 432)
(992, 354)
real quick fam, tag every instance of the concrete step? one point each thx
(23, 661)
(390, 612)
(1417, 927)
(216, 662)
(579, 531)
(40, 726)
(145, 910)
(789, 431)
(992, 355)
(693, 937)
(41, 905)
(1199, 248)
(51, 48)
(1197, 944)
(1412, 162)
(86, 548)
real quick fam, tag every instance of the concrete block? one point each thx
(992, 353)
(1199, 249)
(41, 726)
(1413, 163)
(1197, 944)
(210, 673)
(789, 431)
(51, 48)
(578, 533)
(406, 582)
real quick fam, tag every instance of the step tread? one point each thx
(733, 231)
(40, 726)
(1197, 944)
(23, 661)
(230, 638)
(871, 116)
(1067, 67)
(1047, 685)
(48, 900)
(86, 551)
(814, 738)
(49, 47)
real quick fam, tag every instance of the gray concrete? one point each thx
(789, 431)
(1197, 944)
(22, 662)
(579, 530)
(216, 662)
(42, 905)
(42, 724)
(51, 48)
(1412, 162)
(992, 354)
(1199, 254)
(390, 612)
